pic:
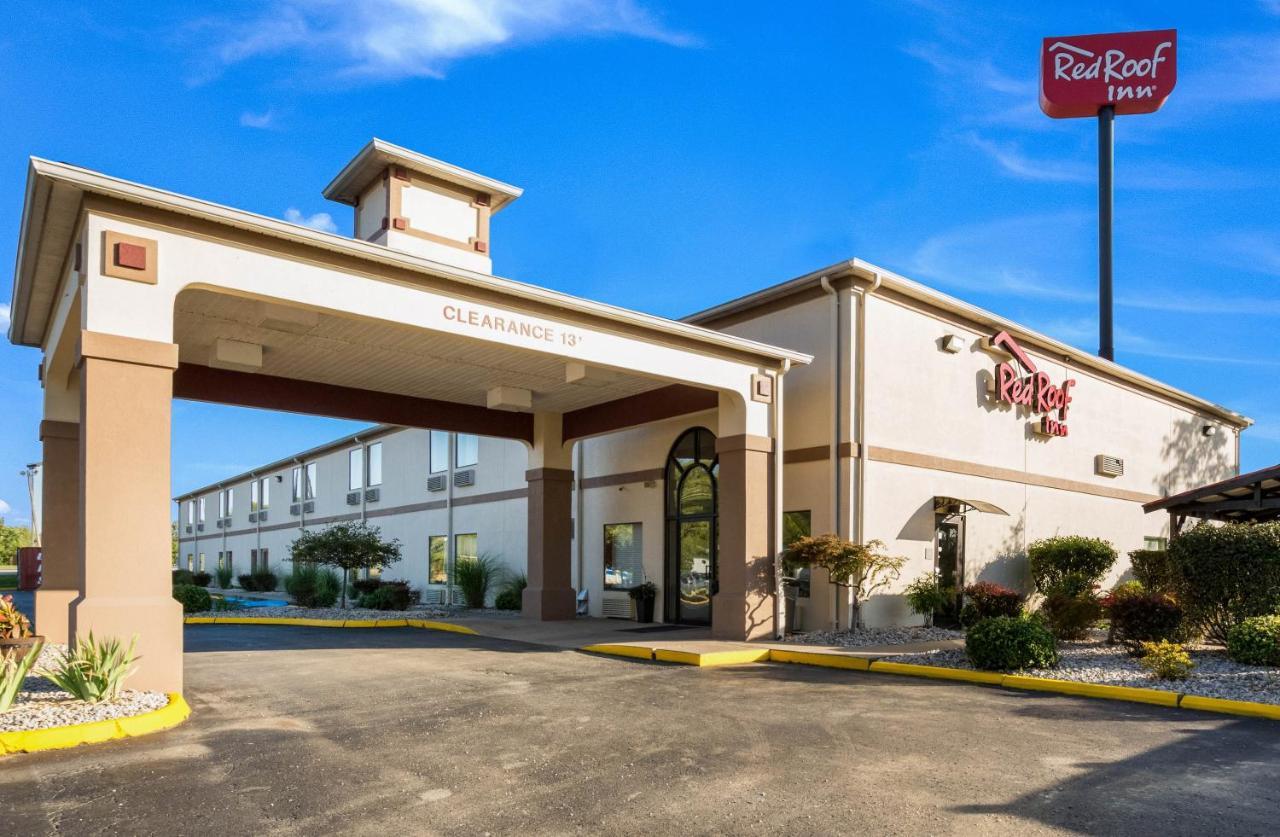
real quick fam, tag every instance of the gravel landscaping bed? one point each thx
(1093, 661)
(40, 704)
(361, 614)
(876, 636)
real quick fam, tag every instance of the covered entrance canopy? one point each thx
(1252, 497)
(136, 296)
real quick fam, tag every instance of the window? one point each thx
(253, 560)
(466, 546)
(295, 492)
(1157, 544)
(260, 494)
(623, 555)
(468, 450)
(439, 451)
(375, 464)
(254, 489)
(257, 560)
(191, 562)
(263, 563)
(355, 469)
(191, 512)
(796, 525)
(201, 564)
(226, 502)
(200, 503)
(311, 481)
(438, 568)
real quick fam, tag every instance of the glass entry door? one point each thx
(949, 547)
(691, 508)
(696, 572)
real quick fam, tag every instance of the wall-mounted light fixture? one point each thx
(1209, 430)
(951, 343)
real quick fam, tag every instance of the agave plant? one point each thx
(92, 670)
(13, 671)
(13, 625)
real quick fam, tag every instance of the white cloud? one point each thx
(391, 39)
(5, 508)
(4, 316)
(264, 120)
(322, 221)
(1011, 159)
(1083, 332)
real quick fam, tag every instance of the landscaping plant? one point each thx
(1153, 569)
(312, 586)
(194, 599)
(389, 595)
(926, 596)
(511, 595)
(13, 671)
(474, 575)
(1070, 614)
(261, 581)
(183, 577)
(93, 670)
(224, 577)
(1138, 618)
(986, 600)
(1225, 574)
(862, 567)
(1010, 643)
(201, 578)
(1255, 641)
(346, 547)
(1070, 564)
(1166, 660)
(13, 624)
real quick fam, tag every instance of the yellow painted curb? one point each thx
(199, 620)
(989, 678)
(638, 652)
(668, 655)
(57, 738)
(446, 626)
(393, 623)
(1230, 707)
(1157, 697)
(817, 658)
(359, 623)
(711, 658)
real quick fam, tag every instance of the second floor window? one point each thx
(311, 482)
(200, 504)
(191, 512)
(374, 467)
(226, 502)
(355, 469)
(439, 451)
(295, 493)
(468, 450)
(260, 494)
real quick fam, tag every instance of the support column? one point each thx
(742, 608)
(60, 544)
(549, 595)
(126, 392)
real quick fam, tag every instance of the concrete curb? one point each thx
(428, 624)
(57, 738)
(1153, 697)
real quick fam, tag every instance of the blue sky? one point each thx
(676, 155)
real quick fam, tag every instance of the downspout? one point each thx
(836, 425)
(302, 493)
(860, 408)
(778, 420)
(578, 503)
(450, 559)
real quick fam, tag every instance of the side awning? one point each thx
(961, 505)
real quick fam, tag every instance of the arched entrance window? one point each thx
(691, 506)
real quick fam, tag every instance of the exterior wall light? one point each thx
(951, 343)
(1209, 430)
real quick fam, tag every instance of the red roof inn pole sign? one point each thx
(1105, 75)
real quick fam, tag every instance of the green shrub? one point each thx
(1153, 569)
(201, 578)
(475, 575)
(926, 595)
(1144, 617)
(986, 600)
(511, 597)
(1069, 616)
(1224, 574)
(224, 576)
(183, 577)
(194, 599)
(1255, 641)
(1070, 564)
(1166, 660)
(313, 586)
(13, 671)
(13, 624)
(389, 595)
(261, 581)
(1010, 643)
(366, 585)
(94, 671)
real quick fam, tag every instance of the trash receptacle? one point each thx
(28, 567)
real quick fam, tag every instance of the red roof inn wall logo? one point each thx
(1031, 388)
(1134, 71)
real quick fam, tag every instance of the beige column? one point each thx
(742, 608)
(126, 388)
(549, 595)
(60, 540)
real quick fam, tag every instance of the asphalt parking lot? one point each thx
(310, 731)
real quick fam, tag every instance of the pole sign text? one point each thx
(1026, 386)
(1132, 71)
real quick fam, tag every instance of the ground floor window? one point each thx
(466, 546)
(1157, 544)
(201, 562)
(623, 555)
(437, 559)
(258, 560)
(191, 562)
(797, 525)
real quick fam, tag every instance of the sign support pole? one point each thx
(1106, 165)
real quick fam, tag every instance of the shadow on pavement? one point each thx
(210, 638)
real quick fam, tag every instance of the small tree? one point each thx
(346, 546)
(862, 568)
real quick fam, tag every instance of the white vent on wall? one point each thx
(615, 605)
(437, 483)
(461, 479)
(373, 495)
(1108, 466)
(433, 596)
(353, 498)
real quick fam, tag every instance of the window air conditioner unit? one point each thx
(295, 508)
(253, 517)
(353, 498)
(199, 527)
(461, 479)
(188, 529)
(372, 495)
(309, 506)
(433, 596)
(1108, 466)
(219, 523)
(436, 483)
(262, 515)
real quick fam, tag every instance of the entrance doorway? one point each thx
(691, 545)
(948, 542)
